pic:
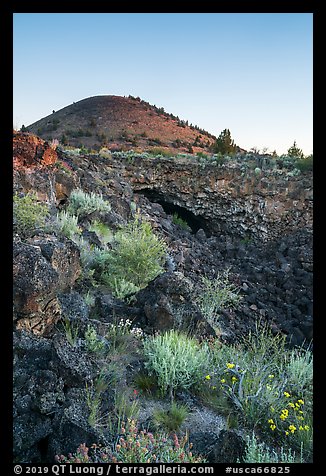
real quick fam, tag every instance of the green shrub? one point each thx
(93, 343)
(136, 447)
(218, 159)
(250, 374)
(261, 453)
(171, 419)
(269, 386)
(120, 288)
(177, 360)
(305, 164)
(216, 294)
(67, 224)
(137, 256)
(158, 151)
(89, 299)
(294, 151)
(83, 203)
(179, 221)
(299, 368)
(28, 213)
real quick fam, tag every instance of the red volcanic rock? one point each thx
(30, 151)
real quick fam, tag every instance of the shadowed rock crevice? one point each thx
(195, 222)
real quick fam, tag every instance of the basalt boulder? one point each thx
(42, 268)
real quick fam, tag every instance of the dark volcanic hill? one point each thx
(120, 122)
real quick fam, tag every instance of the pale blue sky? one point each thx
(248, 72)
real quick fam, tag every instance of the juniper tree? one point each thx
(295, 152)
(224, 144)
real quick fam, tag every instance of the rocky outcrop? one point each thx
(231, 198)
(167, 303)
(42, 268)
(50, 410)
(30, 151)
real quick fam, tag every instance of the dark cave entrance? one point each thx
(195, 222)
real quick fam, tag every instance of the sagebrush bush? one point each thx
(120, 288)
(67, 224)
(83, 203)
(216, 294)
(137, 255)
(28, 213)
(299, 368)
(177, 360)
(260, 453)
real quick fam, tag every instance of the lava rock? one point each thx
(229, 447)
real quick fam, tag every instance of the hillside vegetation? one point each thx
(121, 122)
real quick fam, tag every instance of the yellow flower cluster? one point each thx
(284, 414)
(298, 414)
(230, 365)
(271, 424)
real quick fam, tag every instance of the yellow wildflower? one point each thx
(301, 401)
(272, 427)
(270, 420)
(286, 394)
(208, 377)
(271, 376)
(292, 428)
(230, 366)
(306, 427)
(234, 379)
(284, 414)
(223, 380)
(286, 433)
(291, 405)
(301, 427)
